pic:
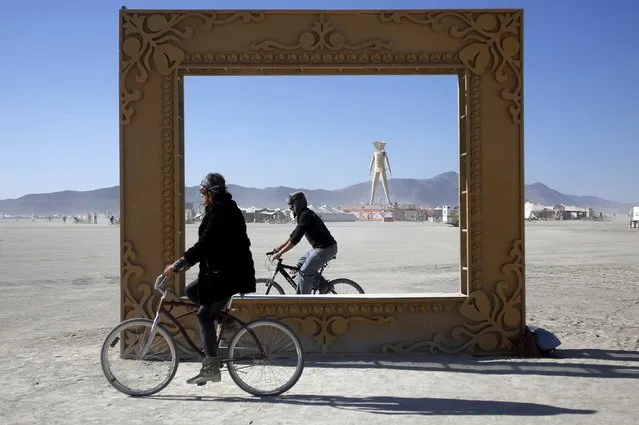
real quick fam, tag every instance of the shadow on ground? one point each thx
(400, 405)
(593, 363)
(589, 363)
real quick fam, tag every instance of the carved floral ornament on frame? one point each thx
(490, 43)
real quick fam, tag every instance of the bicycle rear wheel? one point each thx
(262, 288)
(344, 286)
(145, 356)
(282, 354)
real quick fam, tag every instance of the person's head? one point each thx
(213, 184)
(379, 145)
(296, 201)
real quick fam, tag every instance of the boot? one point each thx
(210, 371)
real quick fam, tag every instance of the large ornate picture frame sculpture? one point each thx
(482, 47)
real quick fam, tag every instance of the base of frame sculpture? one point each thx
(373, 324)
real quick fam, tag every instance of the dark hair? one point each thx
(214, 183)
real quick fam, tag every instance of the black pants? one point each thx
(205, 316)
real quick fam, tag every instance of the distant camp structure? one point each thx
(534, 212)
(278, 215)
(446, 214)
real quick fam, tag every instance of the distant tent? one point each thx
(534, 211)
(330, 214)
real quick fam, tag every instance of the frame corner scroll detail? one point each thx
(153, 41)
(492, 41)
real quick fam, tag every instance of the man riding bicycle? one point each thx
(226, 266)
(324, 246)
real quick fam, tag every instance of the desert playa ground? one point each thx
(60, 297)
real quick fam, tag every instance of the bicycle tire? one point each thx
(345, 282)
(298, 346)
(110, 377)
(274, 285)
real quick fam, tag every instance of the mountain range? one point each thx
(436, 191)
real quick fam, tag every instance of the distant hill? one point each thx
(440, 190)
(65, 202)
(542, 194)
(437, 191)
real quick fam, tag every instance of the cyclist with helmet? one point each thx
(324, 246)
(226, 266)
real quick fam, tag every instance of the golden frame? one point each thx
(483, 47)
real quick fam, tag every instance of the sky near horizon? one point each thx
(59, 104)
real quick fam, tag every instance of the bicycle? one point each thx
(332, 286)
(158, 349)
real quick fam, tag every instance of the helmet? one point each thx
(296, 202)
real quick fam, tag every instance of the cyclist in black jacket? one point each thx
(223, 251)
(324, 246)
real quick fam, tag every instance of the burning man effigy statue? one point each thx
(379, 162)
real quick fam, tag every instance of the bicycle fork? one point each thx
(270, 282)
(156, 320)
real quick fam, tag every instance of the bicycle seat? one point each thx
(329, 260)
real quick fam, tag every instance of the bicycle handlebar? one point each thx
(159, 282)
(162, 279)
(270, 253)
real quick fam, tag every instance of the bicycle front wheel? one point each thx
(136, 361)
(344, 286)
(262, 287)
(263, 350)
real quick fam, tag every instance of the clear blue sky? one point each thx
(59, 104)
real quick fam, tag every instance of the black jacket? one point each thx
(223, 250)
(311, 225)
